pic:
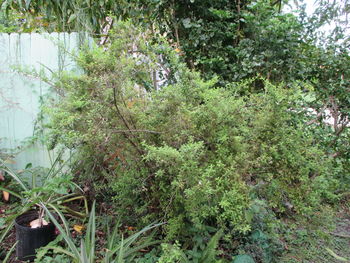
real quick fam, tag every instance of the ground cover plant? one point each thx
(209, 119)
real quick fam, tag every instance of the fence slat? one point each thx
(20, 94)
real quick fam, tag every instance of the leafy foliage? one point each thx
(207, 33)
(49, 186)
(186, 152)
(210, 117)
(118, 249)
(10, 23)
(173, 253)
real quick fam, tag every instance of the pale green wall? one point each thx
(19, 94)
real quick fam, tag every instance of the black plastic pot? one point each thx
(29, 239)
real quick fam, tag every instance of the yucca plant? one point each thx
(117, 250)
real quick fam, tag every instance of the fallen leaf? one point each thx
(78, 228)
(6, 195)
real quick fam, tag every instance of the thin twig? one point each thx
(125, 122)
(147, 131)
(339, 235)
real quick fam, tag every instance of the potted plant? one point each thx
(52, 190)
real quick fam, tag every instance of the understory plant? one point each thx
(117, 250)
(174, 253)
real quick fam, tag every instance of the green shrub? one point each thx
(184, 152)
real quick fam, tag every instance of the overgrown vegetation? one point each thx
(209, 116)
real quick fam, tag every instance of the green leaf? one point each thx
(2, 223)
(331, 252)
(243, 259)
(72, 18)
(187, 22)
(9, 171)
(9, 253)
(210, 251)
(11, 192)
(65, 235)
(28, 3)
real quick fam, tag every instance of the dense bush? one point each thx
(185, 152)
